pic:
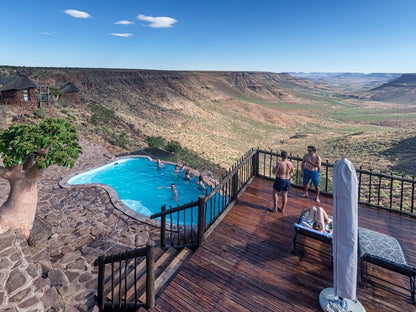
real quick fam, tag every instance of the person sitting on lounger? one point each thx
(316, 218)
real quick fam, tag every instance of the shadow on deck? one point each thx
(246, 264)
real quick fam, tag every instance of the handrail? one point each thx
(123, 259)
(212, 205)
(377, 190)
(174, 209)
(374, 189)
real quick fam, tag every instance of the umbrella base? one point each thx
(332, 303)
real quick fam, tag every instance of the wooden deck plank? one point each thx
(246, 263)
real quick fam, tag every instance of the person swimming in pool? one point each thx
(200, 183)
(188, 175)
(179, 170)
(174, 192)
(159, 164)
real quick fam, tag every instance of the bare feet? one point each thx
(318, 200)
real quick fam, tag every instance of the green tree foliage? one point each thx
(174, 147)
(157, 142)
(101, 114)
(52, 141)
(56, 93)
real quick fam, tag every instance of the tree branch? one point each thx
(30, 162)
(4, 172)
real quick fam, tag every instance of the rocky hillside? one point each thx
(401, 90)
(220, 115)
(216, 117)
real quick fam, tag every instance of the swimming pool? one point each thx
(136, 181)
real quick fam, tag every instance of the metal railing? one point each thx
(378, 190)
(180, 231)
(120, 266)
(375, 189)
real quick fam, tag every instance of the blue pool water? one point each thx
(136, 181)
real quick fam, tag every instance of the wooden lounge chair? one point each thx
(385, 251)
(316, 235)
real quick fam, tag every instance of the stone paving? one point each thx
(73, 226)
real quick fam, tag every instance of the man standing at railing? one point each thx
(311, 163)
(283, 170)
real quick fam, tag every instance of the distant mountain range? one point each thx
(384, 87)
(349, 81)
(401, 90)
(335, 76)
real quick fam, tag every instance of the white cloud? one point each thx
(77, 14)
(157, 22)
(126, 35)
(49, 34)
(124, 22)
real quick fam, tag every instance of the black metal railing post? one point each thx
(100, 288)
(201, 220)
(235, 185)
(150, 274)
(163, 228)
(256, 164)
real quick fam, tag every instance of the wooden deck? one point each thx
(246, 264)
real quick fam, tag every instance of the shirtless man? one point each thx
(174, 192)
(283, 170)
(311, 163)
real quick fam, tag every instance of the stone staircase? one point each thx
(129, 280)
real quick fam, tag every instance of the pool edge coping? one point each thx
(115, 200)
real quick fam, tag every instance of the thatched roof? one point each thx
(69, 87)
(19, 83)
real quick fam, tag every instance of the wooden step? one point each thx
(169, 272)
(140, 270)
(160, 265)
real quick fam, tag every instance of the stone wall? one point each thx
(16, 98)
(72, 97)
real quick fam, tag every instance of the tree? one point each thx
(26, 151)
(56, 93)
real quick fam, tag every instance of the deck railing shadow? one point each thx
(377, 190)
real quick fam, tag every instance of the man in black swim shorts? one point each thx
(283, 170)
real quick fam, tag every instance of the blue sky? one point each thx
(237, 35)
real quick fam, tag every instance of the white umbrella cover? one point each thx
(342, 297)
(345, 235)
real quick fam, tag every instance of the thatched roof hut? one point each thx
(20, 83)
(20, 91)
(71, 93)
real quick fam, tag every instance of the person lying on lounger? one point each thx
(316, 218)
